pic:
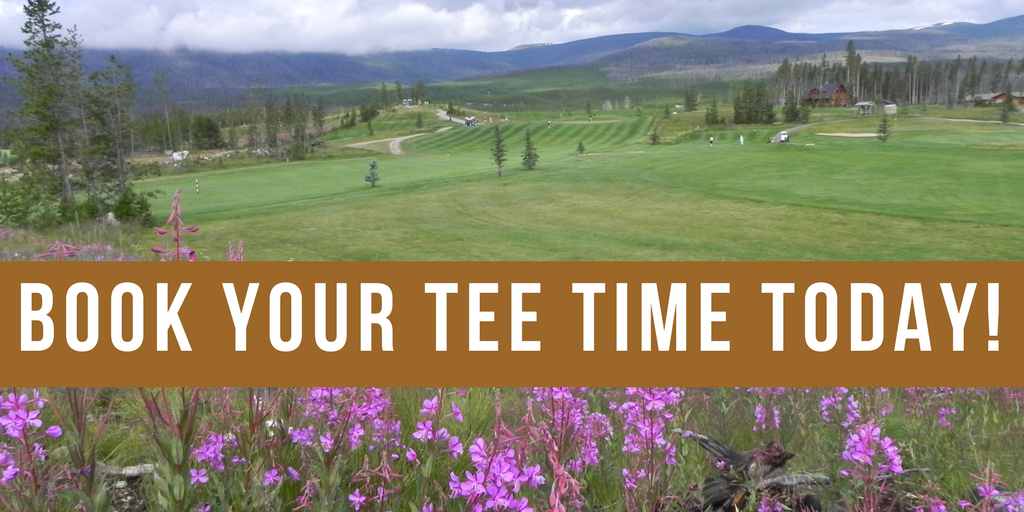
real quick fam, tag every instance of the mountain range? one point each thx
(626, 56)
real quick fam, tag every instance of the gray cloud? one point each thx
(360, 26)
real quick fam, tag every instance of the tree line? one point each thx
(910, 82)
(74, 135)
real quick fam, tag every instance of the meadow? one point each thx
(937, 190)
(503, 449)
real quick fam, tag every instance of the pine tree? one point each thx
(655, 138)
(530, 156)
(319, 116)
(690, 100)
(1007, 108)
(372, 177)
(791, 112)
(883, 128)
(498, 153)
(419, 91)
(581, 149)
(272, 122)
(805, 113)
(711, 115)
(419, 120)
(49, 80)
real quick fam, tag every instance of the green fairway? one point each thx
(936, 190)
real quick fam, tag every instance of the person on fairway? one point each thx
(711, 141)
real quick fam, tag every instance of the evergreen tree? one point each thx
(498, 153)
(1007, 108)
(805, 113)
(711, 117)
(254, 117)
(791, 112)
(272, 122)
(49, 80)
(691, 100)
(419, 119)
(419, 91)
(883, 128)
(300, 121)
(206, 133)
(319, 116)
(655, 138)
(372, 177)
(76, 136)
(530, 156)
(385, 103)
(165, 100)
(581, 149)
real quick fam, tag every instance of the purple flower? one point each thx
(14, 402)
(429, 507)
(303, 436)
(355, 435)
(474, 484)
(54, 431)
(271, 477)
(456, 412)
(9, 474)
(520, 505)
(205, 507)
(356, 499)
(38, 451)
(424, 431)
(293, 473)
(532, 476)
(630, 482)
(430, 407)
(327, 441)
(454, 447)
(987, 492)
(478, 451)
(199, 476)
(411, 455)
(760, 418)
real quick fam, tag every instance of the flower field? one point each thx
(512, 449)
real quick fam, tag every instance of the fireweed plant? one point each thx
(177, 226)
(501, 450)
(27, 481)
(872, 462)
(649, 457)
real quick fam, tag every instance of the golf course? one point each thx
(938, 189)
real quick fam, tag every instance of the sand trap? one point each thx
(853, 135)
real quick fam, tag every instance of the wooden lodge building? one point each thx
(828, 95)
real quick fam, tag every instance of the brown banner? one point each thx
(512, 324)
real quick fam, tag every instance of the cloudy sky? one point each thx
(360, 26)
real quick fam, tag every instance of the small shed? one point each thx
(890, 108)
(865, 108)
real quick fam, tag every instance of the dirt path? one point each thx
(394, 144)
(445, 117)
